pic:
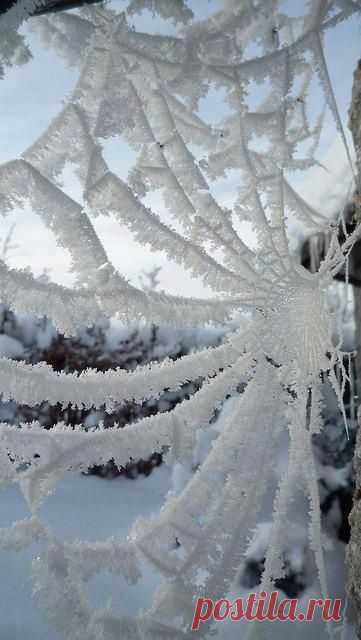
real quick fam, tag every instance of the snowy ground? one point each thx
(94, 509)
(86, 508)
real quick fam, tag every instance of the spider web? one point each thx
(147, 88)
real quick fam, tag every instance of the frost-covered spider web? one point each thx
(147, 88)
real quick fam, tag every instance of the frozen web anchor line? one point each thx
(147, 88)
